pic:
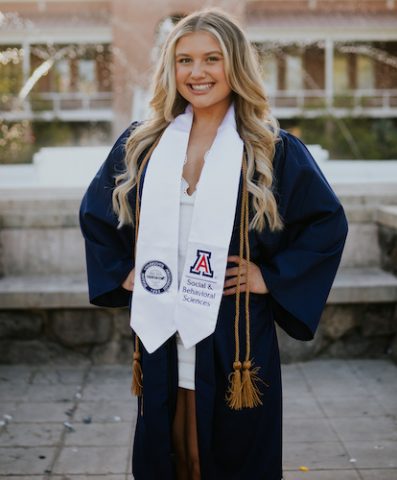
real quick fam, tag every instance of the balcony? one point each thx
(68, 107)
(314, 103)
(78, 106)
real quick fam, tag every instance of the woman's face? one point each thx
(199, 70)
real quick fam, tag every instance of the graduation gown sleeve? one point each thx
(109, 251)
(300, 270)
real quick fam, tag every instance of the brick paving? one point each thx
(339, 421)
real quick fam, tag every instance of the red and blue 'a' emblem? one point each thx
(202, 265)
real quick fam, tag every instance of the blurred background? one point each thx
(75, 73)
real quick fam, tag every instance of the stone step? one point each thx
(40, 241)
(49, 207)
(363, 285)
(60, 249)
(40, 234)
(387, 216)
(44, 291)
(352, 285)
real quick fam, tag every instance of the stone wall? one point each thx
(104, 336)
(388, 246)
(45, 316)
(347, 331)
(65, 335)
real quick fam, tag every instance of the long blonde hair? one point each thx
(256, 125)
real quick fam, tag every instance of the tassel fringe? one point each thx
(251, 395)
(234, 393)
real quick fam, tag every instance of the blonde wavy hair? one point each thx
(255, 124)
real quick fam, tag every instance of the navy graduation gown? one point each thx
(298, 265)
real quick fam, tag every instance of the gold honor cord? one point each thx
(243, 391)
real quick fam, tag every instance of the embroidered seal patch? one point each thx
(156, 277)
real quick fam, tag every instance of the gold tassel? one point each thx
(250, 391)
(233, 397)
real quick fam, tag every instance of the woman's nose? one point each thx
(197, 70)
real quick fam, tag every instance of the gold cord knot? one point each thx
(247, 365)
(237, 365)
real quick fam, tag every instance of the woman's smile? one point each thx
(200, 88)
(200, 71)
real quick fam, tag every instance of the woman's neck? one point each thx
(210, 118)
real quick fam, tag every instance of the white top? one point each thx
(186, 357)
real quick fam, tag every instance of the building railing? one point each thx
(81, 106)
(56, 104)
(380, 5)
(71, 101)
(385, 99)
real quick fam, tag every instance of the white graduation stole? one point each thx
(159, 308)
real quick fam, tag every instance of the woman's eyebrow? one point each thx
(206, 53)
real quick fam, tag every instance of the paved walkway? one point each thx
(339, 421)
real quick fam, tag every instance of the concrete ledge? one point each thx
(363, 285)
(46, 208)
(55, 207)
(352, 285)
(387, 216)
(44, 291)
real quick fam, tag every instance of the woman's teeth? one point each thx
(202, 87)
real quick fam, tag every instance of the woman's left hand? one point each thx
(250, 275)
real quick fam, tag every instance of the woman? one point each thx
(221, 224)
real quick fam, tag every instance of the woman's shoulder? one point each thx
(291, 152)
(296, 169)
(123, 137)
(118, 149)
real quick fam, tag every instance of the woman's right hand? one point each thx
(128, 283)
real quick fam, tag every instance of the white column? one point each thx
(26, 70)
(26, 60)
(329, 71)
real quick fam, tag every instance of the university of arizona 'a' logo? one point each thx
(202, 265)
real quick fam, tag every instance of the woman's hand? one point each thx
(249, 275)
(128, 283)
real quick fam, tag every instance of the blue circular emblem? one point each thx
(156, 277)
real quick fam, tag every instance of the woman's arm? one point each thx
(128, 283)
(300, 270)
(109, 251)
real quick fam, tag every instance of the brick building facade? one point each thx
(90, 60)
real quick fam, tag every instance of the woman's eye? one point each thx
(213, 59)
(184, 60)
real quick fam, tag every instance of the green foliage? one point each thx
(16, 142)
(20, 140)
(51, 134)
(11, 76)
(349, 138)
